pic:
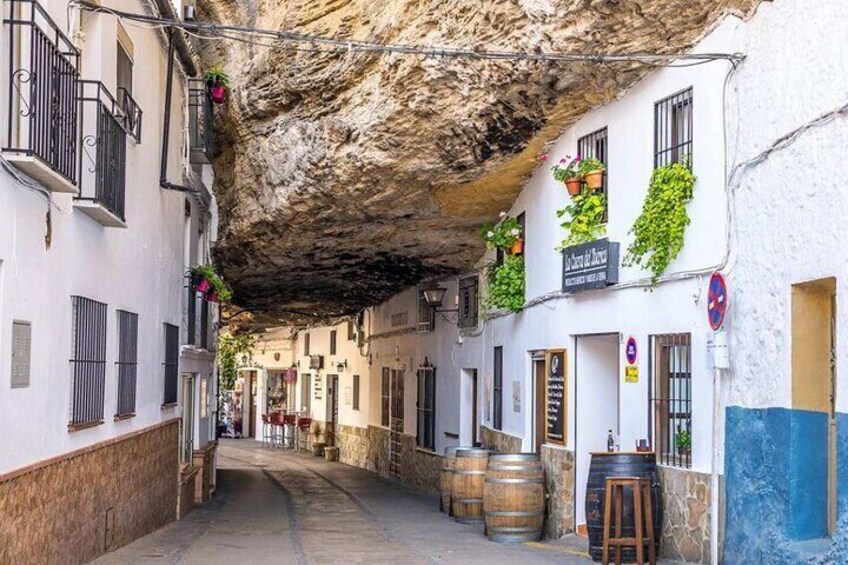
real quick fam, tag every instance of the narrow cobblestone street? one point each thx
(281, 507)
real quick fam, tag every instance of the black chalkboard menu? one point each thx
(555, 398)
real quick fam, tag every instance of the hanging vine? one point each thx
(660, 228)
(229, 348)
(505, 289)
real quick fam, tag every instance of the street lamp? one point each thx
(434, 297)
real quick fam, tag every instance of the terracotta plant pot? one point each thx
(573, 186)
(203, 286)
(595, 180)
(218, 94)
(517, 247)
(331, 453)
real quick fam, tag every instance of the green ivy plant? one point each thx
(503, 234)
(683, 441)
(505, 289)
(217, 77)
(218, 285)
(585, 221)
(659, 230)
(230, 348)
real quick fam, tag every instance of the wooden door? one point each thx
(539, 412)
(474, 403)
(332, 406)
(396, 434)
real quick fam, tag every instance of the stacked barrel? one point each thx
(506, 491)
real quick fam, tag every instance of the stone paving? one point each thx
(283, 507)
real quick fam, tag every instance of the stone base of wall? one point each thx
(499, 441)
(74, 507)
(204, 460)
(353, 446)
(188, 489)
(686, 515)
(559, 482)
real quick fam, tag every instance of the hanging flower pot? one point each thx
(573, 186)
(212, 296)
(218, 94)
(595, 179)
(517, 248)
(203, 285)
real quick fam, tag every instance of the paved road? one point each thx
(286, 508)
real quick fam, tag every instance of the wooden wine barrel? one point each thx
(467, 491)
(514, 497)
(620, 464)
(446, 479)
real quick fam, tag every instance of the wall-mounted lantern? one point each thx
(341, 366)
(434, 296)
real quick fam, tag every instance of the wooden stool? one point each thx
(643, 518)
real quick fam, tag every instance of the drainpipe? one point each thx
(166, 129)
(715, 486)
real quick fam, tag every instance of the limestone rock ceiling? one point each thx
(345, 177)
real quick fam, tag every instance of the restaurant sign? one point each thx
(589, 265)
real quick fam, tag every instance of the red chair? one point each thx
(267, 431)
(276, 429)
(289, 430)
(303, 426)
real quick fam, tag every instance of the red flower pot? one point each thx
(218, 94)
(595, 180)
(203, 286)
(212, 296)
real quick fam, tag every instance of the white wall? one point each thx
(139, 269)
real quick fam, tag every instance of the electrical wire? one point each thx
(321, 44)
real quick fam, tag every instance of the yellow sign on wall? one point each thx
(631, 374)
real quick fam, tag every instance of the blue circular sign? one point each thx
(631, 351)
(717, 301)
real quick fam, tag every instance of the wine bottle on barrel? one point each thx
(610, 442)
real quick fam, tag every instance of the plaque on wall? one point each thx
(589, 265)
(555, 397)
(319, 387)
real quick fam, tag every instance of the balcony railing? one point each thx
(199, 327)
(131, 114)
(103, 159)
(42, 68)
(200, 123)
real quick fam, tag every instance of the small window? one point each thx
(672, 398)
(385, 392)
(125, 70)
(426, 320)
(172, 363)
(468, 292)
(356, 392)
(89, 361)
(426, 405)
(127, 363)
(306, 344)
(497, 392)
(673, 130)
(332, 342)
(351, 330)
(21, 348)
(306, 392)
(594, 146)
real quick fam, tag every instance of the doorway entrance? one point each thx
(332, 408)
(538, 405)
(596, 382)
(469, 412)
(396, 429)
(187, 418)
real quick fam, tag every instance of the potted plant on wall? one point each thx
(683, 442)
(217, 84)
(567, 171)
(205, 280)
(585, 221)
(592, 171)
(505, 235)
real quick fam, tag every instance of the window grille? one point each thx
(332, 342)
(191, 316)
(356, 392)
(127, 363)
(673, 129)
(426, 319)
(172, 363)
(385, 392)
(130, 110)
(468, 293)
(306, 344)
(595, 146)
(497, 412)
(205, 328)
(89, 361)
(21, 353)
(671, 365)
(200, 123)
(426, 406)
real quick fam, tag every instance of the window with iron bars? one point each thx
(594, 146)
(468, 308)
(426, 319)
(673, 123)
(426, 407)
(306, 344)
(671, 398)
(200, 123)
(385, 397)
(88, 364)
(127, 363)
(172, 363)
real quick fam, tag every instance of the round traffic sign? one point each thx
(631, 351)
(717, 301)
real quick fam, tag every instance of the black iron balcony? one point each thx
(103, 159)
(200, 123)
(131, 113)
(40, 102)
(198, 323)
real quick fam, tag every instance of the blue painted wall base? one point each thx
(776, 486)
